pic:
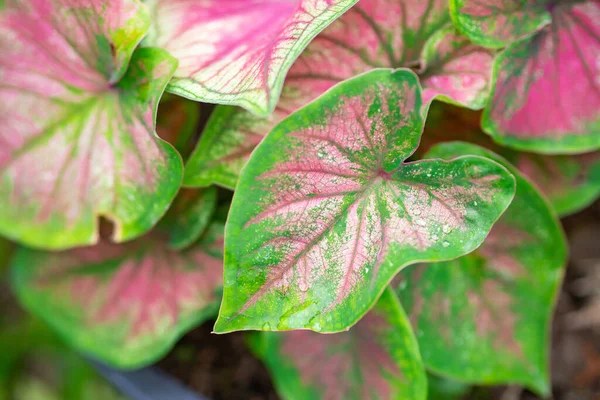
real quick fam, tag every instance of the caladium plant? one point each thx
(555, 68)
(373, 34)
(327, 211)
(348, 214)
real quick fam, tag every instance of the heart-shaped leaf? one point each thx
(485, 317)
(557, 71)
(78, 136)
(126, 304)
(378, 358)
(189, 216)
(497, 23)
(237, 51)
(374, 33)
(570, 182)
(326, 211)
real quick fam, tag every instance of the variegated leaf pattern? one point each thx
(327, 212)
(125, 304)
(485, 317)
(557, 70)
(497, 23)
(378, 358)
(78, 137)
(373, 33)
(237, 51)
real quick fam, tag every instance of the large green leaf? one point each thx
(378, 358)
(485, 317)
(327, 212)
(78, 137)
(126, 304)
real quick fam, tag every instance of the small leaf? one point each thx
(569, 182)
(326, 212)
(497, 23)
(177, 121)
(78, 136)
(556, 71)
(456, 70)
(126, 304)
(239, 51)
(189, 216)
(485, 317)
(376, 359)
(372, 34)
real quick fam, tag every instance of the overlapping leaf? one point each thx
(376, 359)
(123, 303)
(497, 23)
(374, 33)
(78, 136)
(569, 182)
(555, 70)
(237, 51)
(327, 212)
(485, 317)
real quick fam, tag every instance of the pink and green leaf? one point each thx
(571, 183)
(372, 34)
(497, 23)
(485, 317)
(237, 52)
(557, 71)
(327, 211)
(455, 70)
(189, 216)
(78, 137)
(125, 304)
(378, 358)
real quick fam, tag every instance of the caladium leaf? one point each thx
(237, 51)
(78, 136)
(455, 70)
(485, 317)
(189, 216)
(555, 70)
(326, 211)
(373, 33)
(378, 358)
(570, 182)
(177, 121)
(123, 303)
(497, 23)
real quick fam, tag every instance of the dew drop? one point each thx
(429, 175)
(474, 203)
(366, 269)
(445, 243)
(347, 329)
(402, 285)
(446, 228)
(420, 222)
(435, 237)
(321, 154)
